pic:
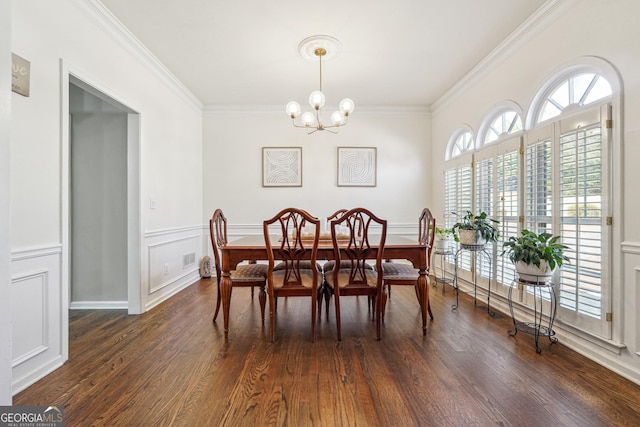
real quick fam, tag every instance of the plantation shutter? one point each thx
(484, 202)
(583, 173)
(458, 196)
(507, 203)
(539, 181)
(566, 171)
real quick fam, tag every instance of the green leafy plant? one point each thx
(443, 233)
(531, 248)
(481, 224)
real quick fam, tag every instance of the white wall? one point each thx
(587, 28)
(99, 207)
(98, 151)
(5, 200)
(71, 36)
(232, 156)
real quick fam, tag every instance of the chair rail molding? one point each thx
(36, 252)
(630, 247)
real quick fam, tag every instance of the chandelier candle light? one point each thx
(315, 48)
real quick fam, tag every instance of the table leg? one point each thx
(423, 293)
(225, 291)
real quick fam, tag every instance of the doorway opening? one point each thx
(104, 212)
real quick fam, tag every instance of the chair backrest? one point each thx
(338, 214)
(218, 232)
(362, 236)
(292, 243)
(427, 232)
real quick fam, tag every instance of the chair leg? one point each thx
(336, 296)
(313, 317)
(252, 290)
(378, 308)
(386, 290)
(429, 309)
(262, 296)
(218, 301)
(272, 318)
(319, 298)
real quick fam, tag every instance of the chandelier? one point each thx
(315, 48)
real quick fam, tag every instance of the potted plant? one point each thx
(535, 256)
(442, 238)
(475, 229)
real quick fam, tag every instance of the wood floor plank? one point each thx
(173, 367)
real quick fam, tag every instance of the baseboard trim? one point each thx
(98, 305)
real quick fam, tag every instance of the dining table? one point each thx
(252, 248)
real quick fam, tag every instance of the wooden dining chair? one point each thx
(245, 275)
(327, 268)
(350, 276)
(286, 241)
(398, 273)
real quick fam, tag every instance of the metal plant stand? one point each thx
(476, 250)
(535, 328)
(442, 253)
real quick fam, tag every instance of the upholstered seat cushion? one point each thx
(345, 263)
(306, 265)
(306, 277)
(250, 273)
(343, 278)
(399, 271)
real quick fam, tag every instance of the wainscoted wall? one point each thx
(631, 251)
(40, 304)
(38, 327)
(5, 205)
(172, 262)
(169, 160)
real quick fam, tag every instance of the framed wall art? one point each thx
(356, 166)
(282, 166)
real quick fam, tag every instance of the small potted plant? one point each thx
(535, 256)
(442, 238)
(475, 229)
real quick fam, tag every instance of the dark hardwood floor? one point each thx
(172, 366)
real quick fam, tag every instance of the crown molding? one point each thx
(537, 22)
(112, 26)
(271, 110)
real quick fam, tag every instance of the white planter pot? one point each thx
(441, 245)
(470, 237)
(531, 273)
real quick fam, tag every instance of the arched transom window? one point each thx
(578, 90)
(462, 144)
(506, 123)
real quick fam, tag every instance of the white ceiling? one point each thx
(400, 53)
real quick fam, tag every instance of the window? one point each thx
(507, 202)
(578, 90)
(505, 124)
(539, 185)
(550, 178)
(458, 196)
(484, 202)
(583, 176)
(461, 144)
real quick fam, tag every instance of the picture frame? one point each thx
(282, 166)
(357, 166)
